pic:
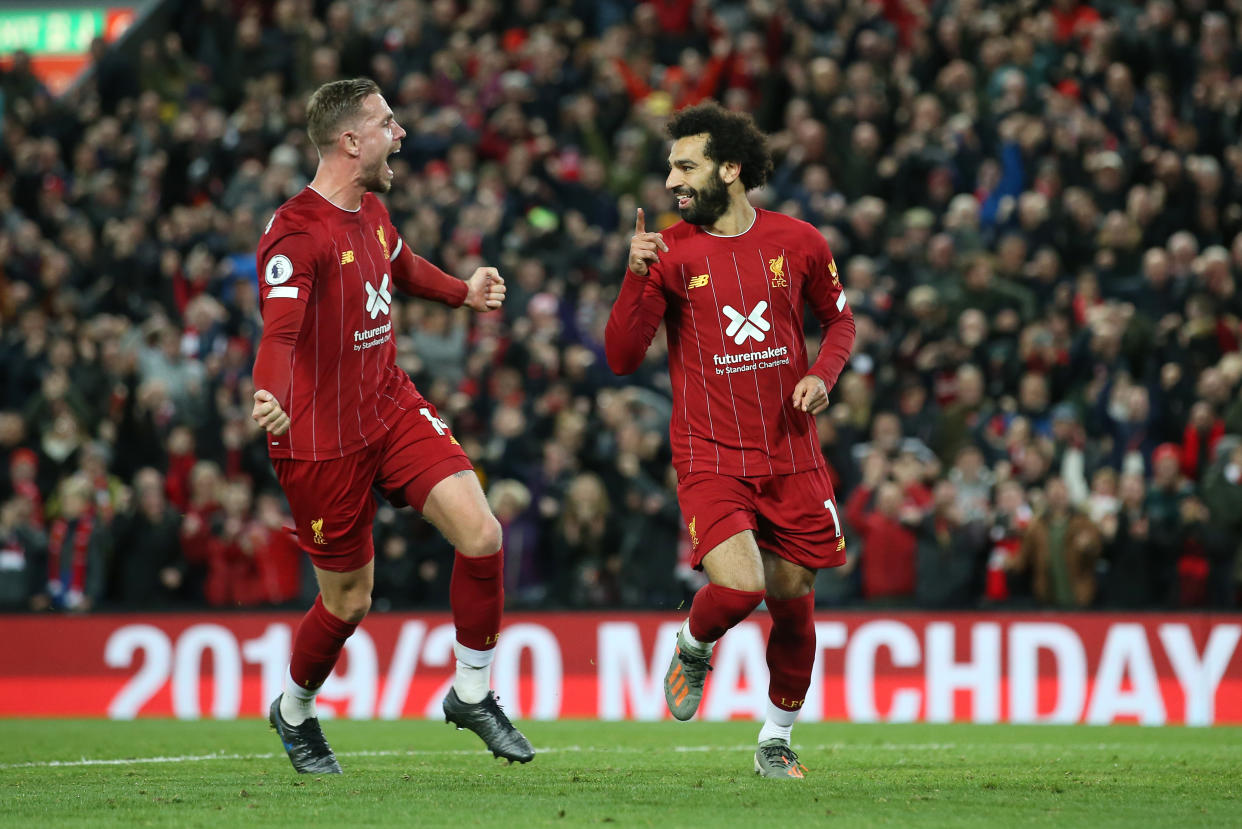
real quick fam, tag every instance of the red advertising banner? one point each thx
(969, 667)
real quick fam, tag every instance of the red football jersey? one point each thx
(732, 307)
(345, 386)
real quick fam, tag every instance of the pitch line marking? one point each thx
(575, 749)
(571, 749)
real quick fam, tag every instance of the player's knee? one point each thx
(350, 606)
(356, 608)
(485, 540)
(743, 578)
(790, 589)
(743, 582)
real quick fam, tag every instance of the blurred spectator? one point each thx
(1130, 550)
(1061, 547)
(395, 576)
(951, 551)
(510, 502)
(1222, 493)
(77, 552)
(972, 485)
(254, 559)
(1007, 579)
(148, 569)
(584, 550)
(200, 526)
(886, 530)
(23, 556)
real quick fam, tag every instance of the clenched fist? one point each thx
(268, 413)
(485, 290)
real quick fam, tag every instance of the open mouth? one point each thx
(387, 166)
(683, 200)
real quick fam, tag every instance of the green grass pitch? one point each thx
(168, 773)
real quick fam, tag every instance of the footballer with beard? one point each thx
(341, 418)
(730, 282)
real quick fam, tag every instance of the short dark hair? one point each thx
(333, 105)
(731, 136)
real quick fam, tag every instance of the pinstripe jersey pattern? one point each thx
(733, 309)
(345, 385)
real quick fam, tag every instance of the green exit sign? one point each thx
(62, 32)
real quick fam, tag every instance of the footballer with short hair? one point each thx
(342, 418)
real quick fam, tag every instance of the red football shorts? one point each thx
(332, 502)
(794, 516)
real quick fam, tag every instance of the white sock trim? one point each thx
(689, 639)
(473, 658)
(292, 689)
(781, 717)
(778, 725)
(297, 704)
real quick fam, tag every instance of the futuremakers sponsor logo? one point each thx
(371, 337)
(751, 360)
(750, 356)
(743, 327)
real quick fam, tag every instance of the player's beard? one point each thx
(708, 203)
(376, 179)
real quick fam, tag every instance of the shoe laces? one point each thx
(695, 666)
(491, 704)
(312, 734)
(777, 753)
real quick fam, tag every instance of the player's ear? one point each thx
(349, 143)
(729, 172)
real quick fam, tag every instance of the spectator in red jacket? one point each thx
(886, 529)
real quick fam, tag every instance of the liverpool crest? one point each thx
(777, 267)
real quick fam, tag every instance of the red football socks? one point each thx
(317, 645)
(477, 596)
(791, 650)
(716, 609)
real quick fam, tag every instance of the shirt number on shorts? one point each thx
(440, 426)
(836, 522)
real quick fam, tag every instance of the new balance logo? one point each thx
(378, 302)
(698, 281)
(747, 326)
(347, 257)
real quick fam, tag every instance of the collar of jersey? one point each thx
(753, 222)
(347, 210)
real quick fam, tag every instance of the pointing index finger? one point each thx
(640, 226)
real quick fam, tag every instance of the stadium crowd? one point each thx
(1034, 207)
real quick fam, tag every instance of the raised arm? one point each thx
(640, 304)
(416, 276)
